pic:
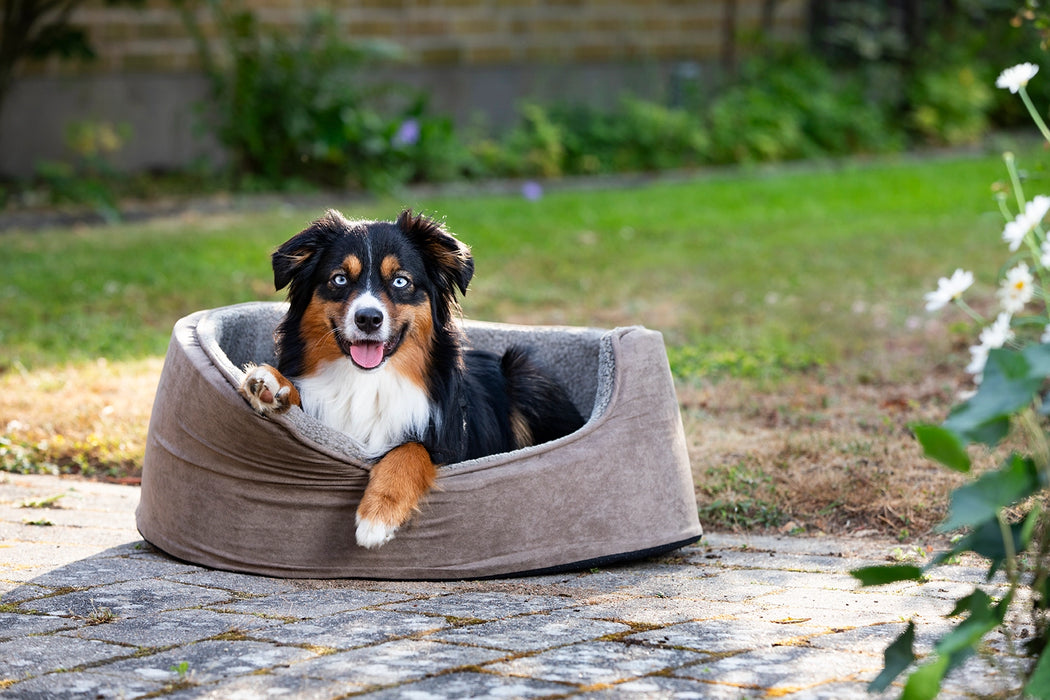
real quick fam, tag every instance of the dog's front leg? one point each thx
(397, 483)
(267, 390)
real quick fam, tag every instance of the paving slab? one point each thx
(533, 632)
(392, 663)
(175, 627)
(87, 609)
(471, 685)
(593, 663)
(352, 629)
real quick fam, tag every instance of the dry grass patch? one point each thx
(817, 453)
(87, 419)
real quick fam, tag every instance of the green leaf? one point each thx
(989, 433)
(925, 682)
(898, 656)
(1038, 357)
(981, 500)
(1039, 682)
(986, 540)
(943, 445)
(1011, 381)
(879, 575)
(983, 617)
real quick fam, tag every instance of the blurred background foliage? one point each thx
(296, 112)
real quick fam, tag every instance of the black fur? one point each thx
(474, 395)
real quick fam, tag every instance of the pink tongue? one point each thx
(367, 355)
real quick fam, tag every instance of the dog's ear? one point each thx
(297, 257)
(449, 258)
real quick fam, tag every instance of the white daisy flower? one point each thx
(994, 336)
(948, 289)
(1033, 214)
(978, 359)
(1044, 254)
(999, 333)
(1035, 210)
(1016, 77)
(1017, 289)
(1015, 231)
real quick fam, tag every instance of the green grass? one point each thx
(743, 271)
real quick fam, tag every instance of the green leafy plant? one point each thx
(299, 108)
(1000, 515)
(791, 105)
(90, 177)
(950, 105)
(637, 136)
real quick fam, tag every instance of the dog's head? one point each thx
(372, 291)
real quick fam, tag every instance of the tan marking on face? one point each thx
(389, 266)
(319, 341)
(352, 265)
(412, 359)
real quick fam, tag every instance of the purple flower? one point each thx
(407, 134)
(532, 190)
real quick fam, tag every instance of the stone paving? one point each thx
(90, 610)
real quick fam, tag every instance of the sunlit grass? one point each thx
(789, 266)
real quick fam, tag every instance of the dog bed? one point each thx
(226, 488)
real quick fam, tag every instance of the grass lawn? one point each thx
(790, 300)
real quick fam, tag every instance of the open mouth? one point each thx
(369, 354)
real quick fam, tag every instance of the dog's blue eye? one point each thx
(339, 280)
(399, 282)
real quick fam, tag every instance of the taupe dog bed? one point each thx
(227, 488)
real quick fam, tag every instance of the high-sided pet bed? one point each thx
(227, 488)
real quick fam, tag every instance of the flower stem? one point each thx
(1001, 201)
(1035, 114)
(1015, 179)
(970, 311)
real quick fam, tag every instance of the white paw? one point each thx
(264, 393)
(372, 534)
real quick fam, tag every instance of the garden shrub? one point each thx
(949, 105)
(536, 146)
(638, 136)
(299, 109)
(89, 179)
(577, 139)
(791, 105)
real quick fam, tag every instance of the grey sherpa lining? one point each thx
(581, 359)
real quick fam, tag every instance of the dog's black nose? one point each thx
(369, 320)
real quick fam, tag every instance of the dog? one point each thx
(371, 347)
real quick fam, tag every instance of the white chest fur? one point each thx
(380, 409)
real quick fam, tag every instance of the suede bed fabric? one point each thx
(226, 488)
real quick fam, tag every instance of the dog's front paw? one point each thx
(395, 486)
(267, 390)
(372, 534)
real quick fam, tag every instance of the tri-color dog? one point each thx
(371, 347)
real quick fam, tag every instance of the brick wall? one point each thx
(472, 57)
(446, 32)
